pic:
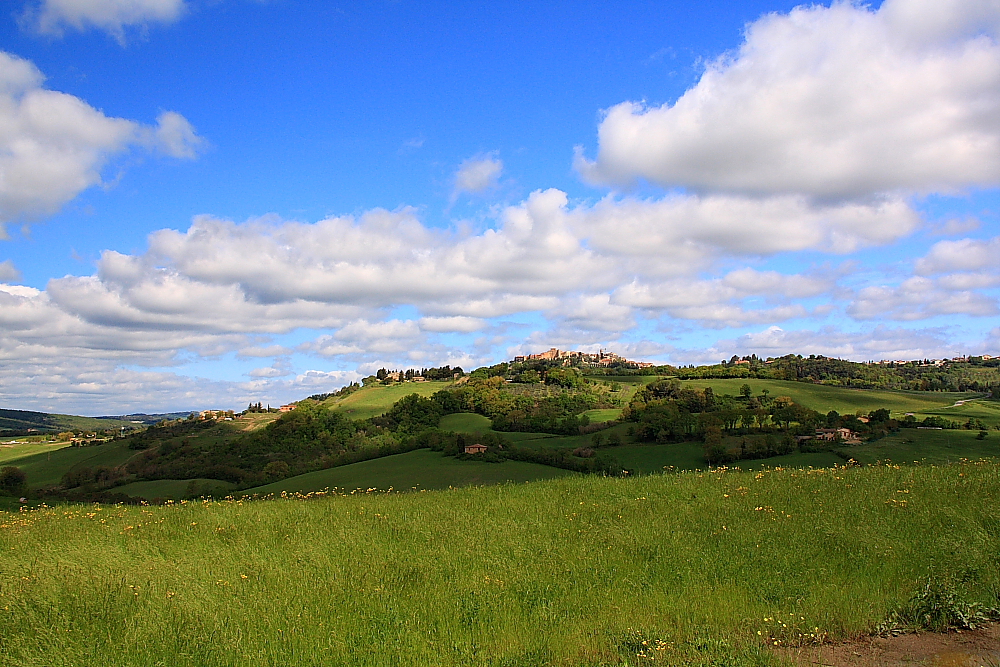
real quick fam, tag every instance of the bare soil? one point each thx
(967, 648)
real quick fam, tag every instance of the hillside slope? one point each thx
(689, 569)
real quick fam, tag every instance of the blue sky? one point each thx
(208, 203)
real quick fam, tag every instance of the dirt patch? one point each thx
(967, 648)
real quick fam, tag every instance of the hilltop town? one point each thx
(601, 359)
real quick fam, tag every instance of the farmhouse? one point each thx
(287, 408)
(475, 449)
(831, 434)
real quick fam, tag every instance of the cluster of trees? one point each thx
(412, 414)
(442, 372)
(385, 376)
(550, 408)
(665, 411)
(252, 408)
(545, 410)
(98, 477)
(308, 438)
(974, 374)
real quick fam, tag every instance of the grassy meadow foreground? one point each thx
(688, 568)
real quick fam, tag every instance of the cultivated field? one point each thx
(685, 569)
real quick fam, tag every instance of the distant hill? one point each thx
(150, 418)
(24, 422)
(25, 419)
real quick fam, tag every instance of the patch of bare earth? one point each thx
(966, 648)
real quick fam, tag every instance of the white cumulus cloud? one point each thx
(53, 146)
(477, 174)
(830, 102)
(961, 255)
(9, 272)
(53, 17)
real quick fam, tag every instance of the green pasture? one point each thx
(521, 438)
(793, 461)
(925, 445)
(646, 459)
(48, 467)
(375, 400)
(685, 569)
(420, 469)
(634, 380)
(176, 488)
(603, 414)
(9, 454)
(823, 398)
(466, 422)
(987, 411)
(652, 459)
(549, 441)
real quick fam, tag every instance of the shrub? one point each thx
(13, 481)
(939, 607)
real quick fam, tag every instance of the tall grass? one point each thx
(690, 568)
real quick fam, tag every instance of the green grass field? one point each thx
(47, 468)
(653, 459)
(574, 441)
(375, 400)
(647, 459)
(930, 446)
(11, 453)
(603, 414)
(986, 411)
(686, 569)
(420, 469)
(845, 401)
(176, 488)
(466, 422)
